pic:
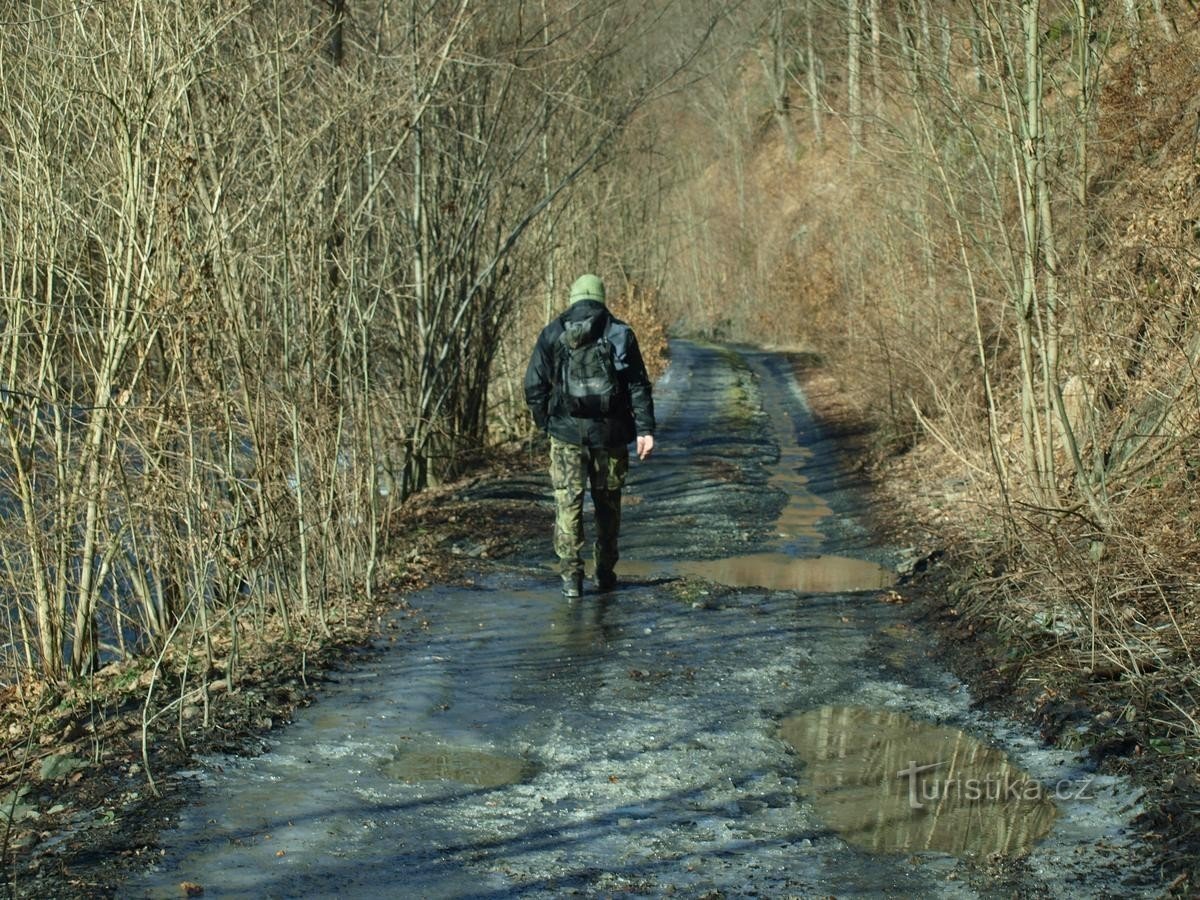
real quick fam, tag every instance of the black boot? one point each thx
(572, 586)
(606, 579)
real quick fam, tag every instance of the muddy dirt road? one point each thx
(744, 716)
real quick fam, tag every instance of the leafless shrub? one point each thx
(256, 264)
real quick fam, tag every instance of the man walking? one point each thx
(586, 386)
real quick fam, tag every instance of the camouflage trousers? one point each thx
(572, 468)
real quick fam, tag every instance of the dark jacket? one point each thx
(633, 416)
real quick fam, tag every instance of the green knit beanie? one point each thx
(587, 287)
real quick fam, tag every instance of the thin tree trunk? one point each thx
(1133, 22)
(1034, 158)
(337, 31)
(416, 449)
(977, 58)
(549, 222)
(946, 50)
(814, 97)
(336, 237)
(1055, 407)
(925, 49)
(1083, 112)
(853, 74)
(874, 13)
(1165, 22)
(908, 53)
(776, 74)
(1032, 442)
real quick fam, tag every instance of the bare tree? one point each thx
(854, 74)
(775, 71)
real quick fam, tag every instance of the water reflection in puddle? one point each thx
(478, 768)
(804, 510)
(775, 571)
(887, 783)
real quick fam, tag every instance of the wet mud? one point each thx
(742, 716)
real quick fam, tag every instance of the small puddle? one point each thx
(774, 571)
(888, 783)
(804, 510)
(478, 768)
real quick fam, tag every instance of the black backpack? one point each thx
(588, 382)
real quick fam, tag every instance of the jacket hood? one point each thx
(584, 322)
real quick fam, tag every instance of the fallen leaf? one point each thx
(191, 889)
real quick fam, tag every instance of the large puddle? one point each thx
(887, 783)
(774, 571)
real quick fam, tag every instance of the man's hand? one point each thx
(645, 445)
